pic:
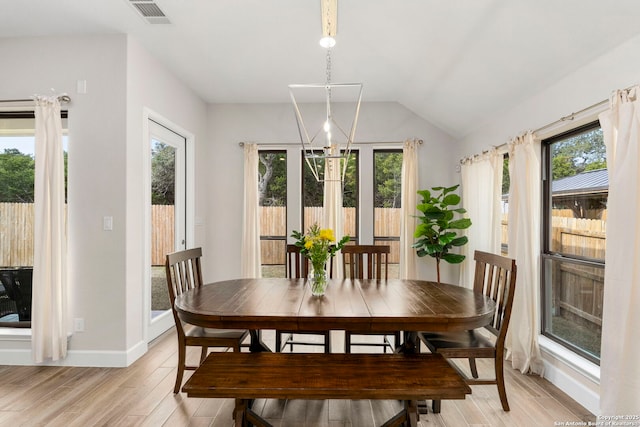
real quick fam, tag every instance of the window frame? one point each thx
(547, 253)
(283, 238)
(383, 239)
(25, 325)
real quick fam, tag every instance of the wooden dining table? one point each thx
(361, 306)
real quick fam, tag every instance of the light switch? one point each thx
(107, 223)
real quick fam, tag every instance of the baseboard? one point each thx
(83, 358)
(572, 374)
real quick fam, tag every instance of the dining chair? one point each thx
(298, 268)
(367, 262)
(184, 273)
(495, 277)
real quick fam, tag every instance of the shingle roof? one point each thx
(585, 182)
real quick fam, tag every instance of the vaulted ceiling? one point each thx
(452, 62)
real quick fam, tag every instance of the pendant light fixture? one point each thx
(327, 113)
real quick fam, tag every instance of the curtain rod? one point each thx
(241, 143)
(554, 123)
(64, 99)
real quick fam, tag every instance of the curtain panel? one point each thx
(409, 201)
(250, 253)
(50, 318)
(332, 211)
(524, 246)
(481, 196)
(619, 367)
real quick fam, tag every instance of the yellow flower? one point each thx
(327, 234)
(308, 244)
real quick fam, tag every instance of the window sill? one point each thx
(581, 365)
(15, 334)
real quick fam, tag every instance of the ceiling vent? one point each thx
(150, 11)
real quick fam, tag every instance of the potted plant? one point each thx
(437, 232)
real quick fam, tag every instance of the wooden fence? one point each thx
(576, 290)
(273, 223)
(16, 234)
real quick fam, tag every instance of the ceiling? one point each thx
(452, 62)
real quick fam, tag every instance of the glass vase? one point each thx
(318, 280)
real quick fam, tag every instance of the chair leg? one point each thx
(436, 406)
(473, 367)
(327, 342)
(347, 342)
(181, 361)
(500, 382)
(203, 353)
(278, 341)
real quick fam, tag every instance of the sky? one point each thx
(24, 143)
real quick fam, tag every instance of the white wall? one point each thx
(105, 151)
(617, 69)
(152, 89)
(97, 139)
(262, 123)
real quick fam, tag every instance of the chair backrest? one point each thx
(356, 257)
(496, 278)
(184, 272)
(298, 265)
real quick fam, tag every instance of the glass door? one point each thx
(168, 216)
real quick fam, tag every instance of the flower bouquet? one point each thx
(318, 245)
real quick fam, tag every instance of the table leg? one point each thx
(257, 345)
(410, 346)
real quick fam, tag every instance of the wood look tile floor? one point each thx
(142, 395)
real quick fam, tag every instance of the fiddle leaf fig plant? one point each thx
(437, 232)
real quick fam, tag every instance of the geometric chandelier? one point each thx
(327, 113)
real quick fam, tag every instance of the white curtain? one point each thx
(251, 263)
(524, 246)
(332, 211)
(49, 323)
(481, 195)
(619, 367)
(408, 203)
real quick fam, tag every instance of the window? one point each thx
(313, 194)
(387, 190)
(574, 223)
(17, 174)
(504, 205)
(272, 188)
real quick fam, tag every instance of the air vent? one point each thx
(150, 11)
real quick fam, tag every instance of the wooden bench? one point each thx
(248, 376)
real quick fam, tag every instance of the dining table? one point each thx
(360, 306)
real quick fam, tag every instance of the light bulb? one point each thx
(327, 42)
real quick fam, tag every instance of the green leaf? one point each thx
(433, 248)
(426, 194)
(453, 258)
(460, 241)
(437, 188)
(451, 200)
(460, 224)
(460, 210)
(447, 238)
(450, 189)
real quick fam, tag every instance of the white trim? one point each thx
(15, 334)
(154, 327)
(84, 358)
(574, 375)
